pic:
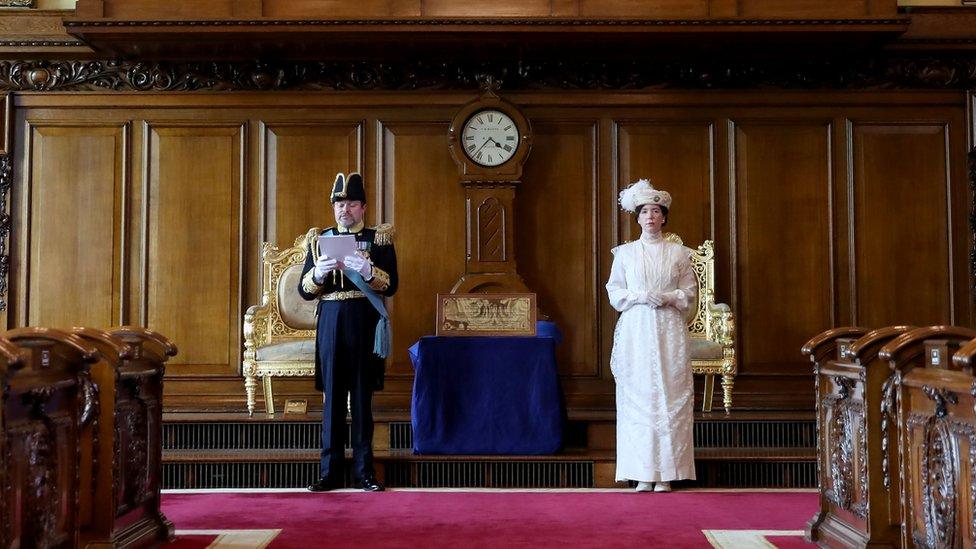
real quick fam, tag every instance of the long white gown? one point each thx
(651, 362)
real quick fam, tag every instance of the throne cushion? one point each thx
(706, 349)
(295, 312)
(297, 350)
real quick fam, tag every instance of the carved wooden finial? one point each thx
(489, 83)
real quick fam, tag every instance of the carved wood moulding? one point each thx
(972, 214)
(911, 72)
(6, 177)
(483, 22)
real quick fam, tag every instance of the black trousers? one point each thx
(347, 378)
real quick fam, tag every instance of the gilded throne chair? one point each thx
(711, 328)
(279, 334)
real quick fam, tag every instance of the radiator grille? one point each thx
(755, 434)
(263, 471)
(308, 435)
(239, 436)
(757, 474)
(238, 475)
(401, 435)
(478, 474)
(491, 474)
(264, 436)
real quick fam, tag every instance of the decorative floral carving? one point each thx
(43, 497)
(6, 176)
(940, 397)
(844, 435)
(857, 420)
(889, 411)
(133, 425)
(908, 72)
(89, 400)
(938, 486)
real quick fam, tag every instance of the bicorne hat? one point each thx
(348, 188)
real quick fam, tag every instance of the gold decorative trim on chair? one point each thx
(711, 326)
(264, 325)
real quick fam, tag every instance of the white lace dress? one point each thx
(651, 362)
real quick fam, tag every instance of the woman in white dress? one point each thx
(653, 285)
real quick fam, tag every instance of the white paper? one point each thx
(337, 246)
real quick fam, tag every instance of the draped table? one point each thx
(487, 395)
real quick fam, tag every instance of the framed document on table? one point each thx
(486, 314)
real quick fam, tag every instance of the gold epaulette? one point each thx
(384, 235)
(311, 238)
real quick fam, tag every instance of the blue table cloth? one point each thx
(487, 395)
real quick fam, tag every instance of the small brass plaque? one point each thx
(938, 353)
(296, 406)
(486, 314)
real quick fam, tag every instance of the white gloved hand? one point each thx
(649, 298)
(359, 264)
(669, 298)
(323, 266)
(654, 299)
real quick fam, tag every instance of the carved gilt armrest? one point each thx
(721, 329)
(255, 334)
(721, 324)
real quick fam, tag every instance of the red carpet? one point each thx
(490, 519)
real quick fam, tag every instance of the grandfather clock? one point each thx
(490, 140)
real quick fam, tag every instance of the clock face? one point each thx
(489, 138)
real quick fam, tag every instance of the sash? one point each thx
(381, 343)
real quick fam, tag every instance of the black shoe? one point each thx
(324, 484)
(370, 484)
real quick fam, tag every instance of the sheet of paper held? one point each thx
(337, 246)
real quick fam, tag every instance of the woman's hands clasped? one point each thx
(657, 299)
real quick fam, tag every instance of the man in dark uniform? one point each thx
(352, 336)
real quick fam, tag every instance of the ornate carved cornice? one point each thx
(908, 72)
(74, 25)
(42, 44)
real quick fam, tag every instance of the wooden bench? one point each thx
(859, 505)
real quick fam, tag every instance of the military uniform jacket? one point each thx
(340, 300)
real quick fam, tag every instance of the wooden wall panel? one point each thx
(420, 180)
(555, 249)
(174, 9)
(757, 179)
(782, 233)
(498, 8)
(301, 161)
(676, 157)
(75, 207)
(901, 241)
(643, 8)
(192, 281)
(803, 8)
(297, 9)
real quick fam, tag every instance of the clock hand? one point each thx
(482, 146)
